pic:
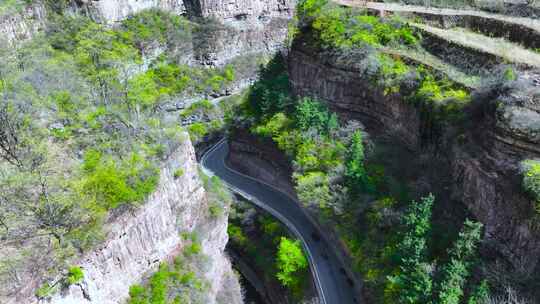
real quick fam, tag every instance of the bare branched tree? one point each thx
(9, 136)
(510, 296)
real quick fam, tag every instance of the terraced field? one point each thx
(499, 47)
(533, 24)
(465, 45)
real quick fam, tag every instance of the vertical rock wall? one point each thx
(238, 27)
(113, 11)
(138, 241)
(23, 24)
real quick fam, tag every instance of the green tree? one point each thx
(142, 90)
(137, 295)
(110, 183)
(158, 285)
(413, 283)
(314, 115)
(271, 93)
(313, 189)
(480, 293)
(355, 172)
(310, 8)
(104, 58)
(291, 262)
(455, 273)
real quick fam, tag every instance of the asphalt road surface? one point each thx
(332, 284)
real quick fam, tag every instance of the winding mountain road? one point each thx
(332, 285)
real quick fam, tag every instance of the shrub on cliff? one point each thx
(178, 282)
(154, 25)
(110, 183)
(310, 8)
(531, 179)
(75, 275)
(339, 27)
(381, 39)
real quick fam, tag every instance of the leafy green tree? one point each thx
(104, 58)
(356, 175)
(158, 285)
(413, 283)
(148, 26)
(291, 261)
(313, 189)
(480, 293)
(137, 295)
(314, 115)
(310, 8)
(331, 26)
(57, 6)
(142, 90)
(62, 30)
(455, 273)
(271, 93)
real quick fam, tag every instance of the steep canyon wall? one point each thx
(481, 158)
(139, 240)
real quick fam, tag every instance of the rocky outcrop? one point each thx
(139, 240)
(245, 9)
(229, 29)
(22, 24)
(482, 154)
(113, 11)
(486, 171)
(248, 39)
(247, 27)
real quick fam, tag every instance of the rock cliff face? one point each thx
(22, 25)
(113, 11)
(138, 241)
(488, 179)
(244, 27)
(253, 27)
(245, 9)
(482, 163)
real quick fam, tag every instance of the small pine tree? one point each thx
(480, 293)
(356, 175)
(413, 283)
(455, 273)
